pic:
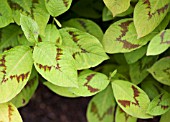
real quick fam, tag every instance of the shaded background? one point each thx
(46, 106)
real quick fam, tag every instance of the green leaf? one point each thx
(85, 25)
(7, 41)
(52, 35)
(161, 70)
(62, 91)
(41, 15)
(138, 70)
(9, 113)
(121, 37)
(15, 69)
(151, 87)
(133, 100)
(117, 7)
(159, 105)
(102, 106)
(107, 14)
(122, 116)
(55, 64)
(85, 48)
(27, 92)
(90, 83)
(5, 14)
(148, 14)
(159, 43)
(30, 28)
(57, 7)
(135, 55)
(165, 117)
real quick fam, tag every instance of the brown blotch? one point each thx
(90, 88)
(164, 107)
(159, 11)
(88, 78)
(2, 64)
(59, 53)
(94, 110)
(159, 103)
(74, 36)
(10, 110)
(126, 44)
(44, 67)
(39, 39)
(162, 38)
(163, 9)
(58, 67)
(124, 103)
(20, 77)
(136, 94)
(66, 3)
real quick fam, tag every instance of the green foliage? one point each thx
(61, 44)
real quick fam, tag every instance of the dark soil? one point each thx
(46, 106)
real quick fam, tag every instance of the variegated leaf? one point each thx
(161, 70)
(133, 100)
(159, 105)
(55, 64)
(27, 92)
(159, 43)
(90, 83)
(57, 7)
(9, 113)
(85, 48)
(148, 14)
(15, 69)
(121, 37)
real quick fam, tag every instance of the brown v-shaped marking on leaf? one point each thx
(126, 103)
(95, 111)
(20, 77)
(3, 65)
(74, 36)
(59, 53)
(162, 38)
(90, 88)
(66, 3)
(126, 44)
(159, 11)
(44, 67)
(10, 110)
(162, 106)
(136, 94)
